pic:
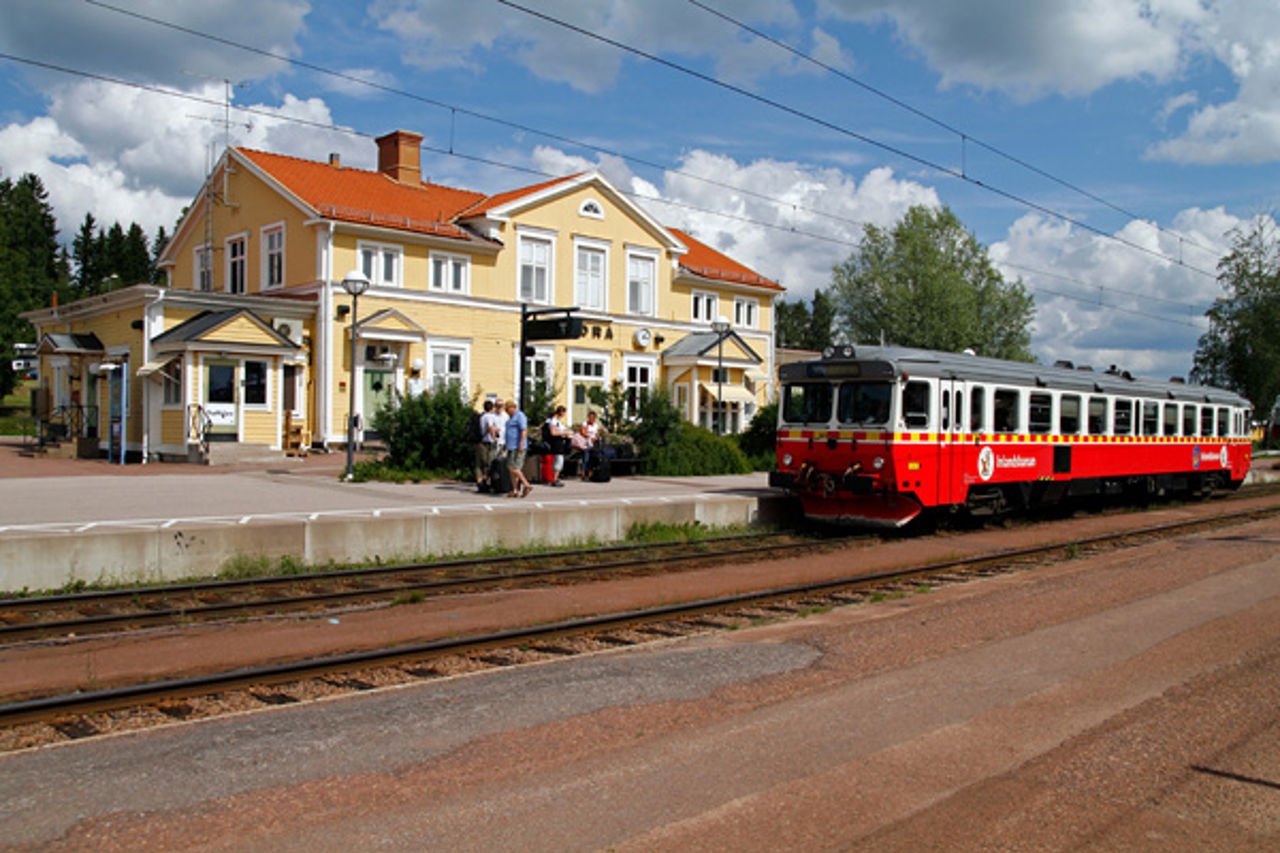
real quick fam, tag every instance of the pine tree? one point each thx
(136, 261)
(28, 261)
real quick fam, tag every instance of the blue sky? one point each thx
(1164, 111)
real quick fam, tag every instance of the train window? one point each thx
(1040, 416)
(1006, 410)
(1150, 418)
(1123, 424)
(1069, 414)
(864, 403)
(1170, 419)
(1097, 415)
(1206, 420)
(959, 410)
(1189, 420)
(915, 404)
(977, 402)
(808, 403)
(1224, 422)
(946, 410)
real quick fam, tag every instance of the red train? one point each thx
(878, 435)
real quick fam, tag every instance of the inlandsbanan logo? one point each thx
(988, 462)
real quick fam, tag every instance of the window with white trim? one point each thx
(705, 307)
(256, 384)
(381, 262)
(744, 313)
(448, 364)
(203, 268)
(171, 379)
(535, 269)
(585, 373)
(236, 249)
(590, 280)
(273, 256)
(641, 283)
(639, 382)
(591, 208)
(450, 273)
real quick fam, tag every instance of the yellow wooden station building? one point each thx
(250, 339)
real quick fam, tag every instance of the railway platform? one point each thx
(63, 521)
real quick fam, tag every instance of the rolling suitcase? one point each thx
(601, 470)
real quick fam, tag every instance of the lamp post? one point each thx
(355, 284)
(721, 328)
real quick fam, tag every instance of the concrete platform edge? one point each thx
(46, 561)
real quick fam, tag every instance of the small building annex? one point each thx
(249, 340)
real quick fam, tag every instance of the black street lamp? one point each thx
(355, 284)
(721, 328)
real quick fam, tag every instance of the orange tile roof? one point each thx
(705, 261)
(358, 195)
(500, 199)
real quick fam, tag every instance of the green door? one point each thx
(220, 399)
(378, 386)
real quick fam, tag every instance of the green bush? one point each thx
(695, 451)
(758, 442)
(427, 433)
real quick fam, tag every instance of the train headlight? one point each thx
(786, 459)
(877, 463)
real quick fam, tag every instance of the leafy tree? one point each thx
(29, 260)
(1241, 350)
(928, 282)
(759, 439)
(804, 327)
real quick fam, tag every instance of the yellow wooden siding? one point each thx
(258, 427)
(241, 330)
(173, 426)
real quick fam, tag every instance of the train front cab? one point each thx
(836, 443)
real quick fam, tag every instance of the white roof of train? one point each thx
(949, 365)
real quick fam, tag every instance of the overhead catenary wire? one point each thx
(853, 134)
(455, 110)
(453, 152)
(964, 136)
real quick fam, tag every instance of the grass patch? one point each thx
(246, 567)
(643, 532)
(414, 596)
(15, 411)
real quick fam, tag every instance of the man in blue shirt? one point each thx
(516, 439)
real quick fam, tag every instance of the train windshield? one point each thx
(806, 403)
(864, 403)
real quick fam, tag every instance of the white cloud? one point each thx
(447, 34)
(145, 169)
(1030, 49)
(1101, 302)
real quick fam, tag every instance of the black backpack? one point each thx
(473, 435)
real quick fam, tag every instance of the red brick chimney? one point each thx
(399, 156)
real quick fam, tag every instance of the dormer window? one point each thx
(591, 208)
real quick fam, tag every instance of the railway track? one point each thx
(86, 713)
(79, 614)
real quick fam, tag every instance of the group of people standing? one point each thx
(501, 434)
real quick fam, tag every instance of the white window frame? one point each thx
(708, 300)
(275, 229)
(652, 259)
(591, 208)
(202, 268)
(597, 360)
(450, 263)
(630, 362)
(242, 262)
(746, 312)
(528, 237)
(542, 355)
(596, 248)
(173, 387)
(380, 252)
(268, 386)
(447, 347)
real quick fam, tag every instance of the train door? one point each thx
(952, 397)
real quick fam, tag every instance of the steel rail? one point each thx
(43, 708)
(17, 631)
